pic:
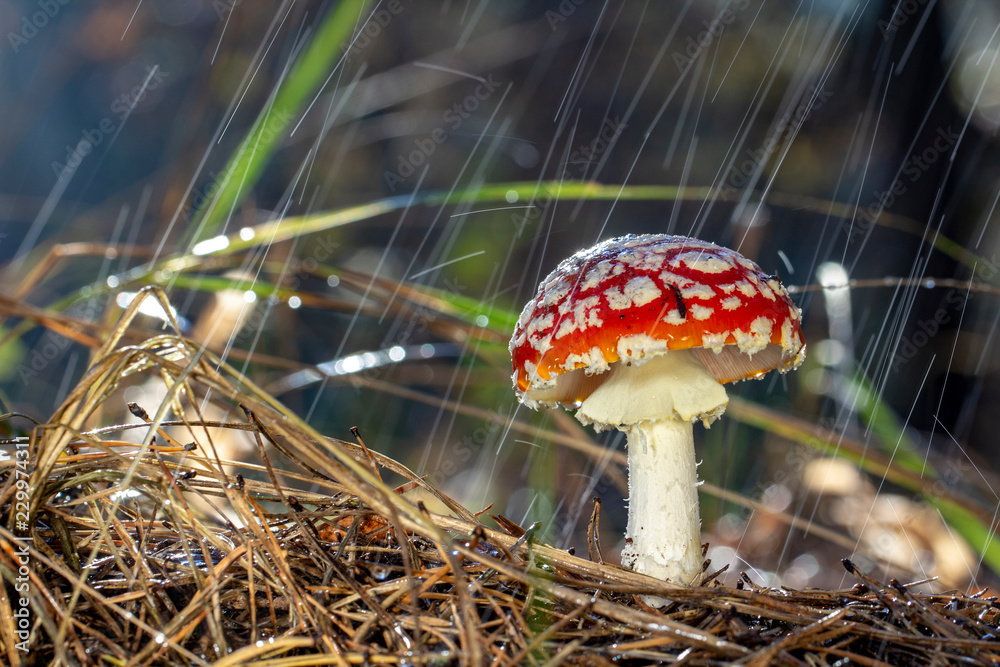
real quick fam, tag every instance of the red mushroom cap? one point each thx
(634, 297)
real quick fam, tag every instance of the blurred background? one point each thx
(355, 224)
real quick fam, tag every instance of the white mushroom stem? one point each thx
(664, 525)
(655, 404)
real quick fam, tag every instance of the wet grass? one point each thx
(148, 547)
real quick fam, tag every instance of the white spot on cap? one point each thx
(637, 346)
(727, 289)
(642, 260)
(700, 260)
(629, 242)
(535, 332)
(592, 361)
(637, 292)
(689, 289)
(714, 341)
(554, 294)
(518, 340)
(584, 315)
(731, 303)
(698, 291)
(677, 281)
(753, 341)
(746, 288)
(700, 312)
(790, 341)
(535, 382)
(674, 317)
(596, 275)
(762, 327)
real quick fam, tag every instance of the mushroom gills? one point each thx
(730, 364)
(568, 388)
(726, 365)
(671, 386)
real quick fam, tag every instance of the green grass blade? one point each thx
(976, 533)
(886, 427)
(307, 75)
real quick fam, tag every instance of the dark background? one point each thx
(782, 107)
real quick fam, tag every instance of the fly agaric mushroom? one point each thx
(640, 333)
